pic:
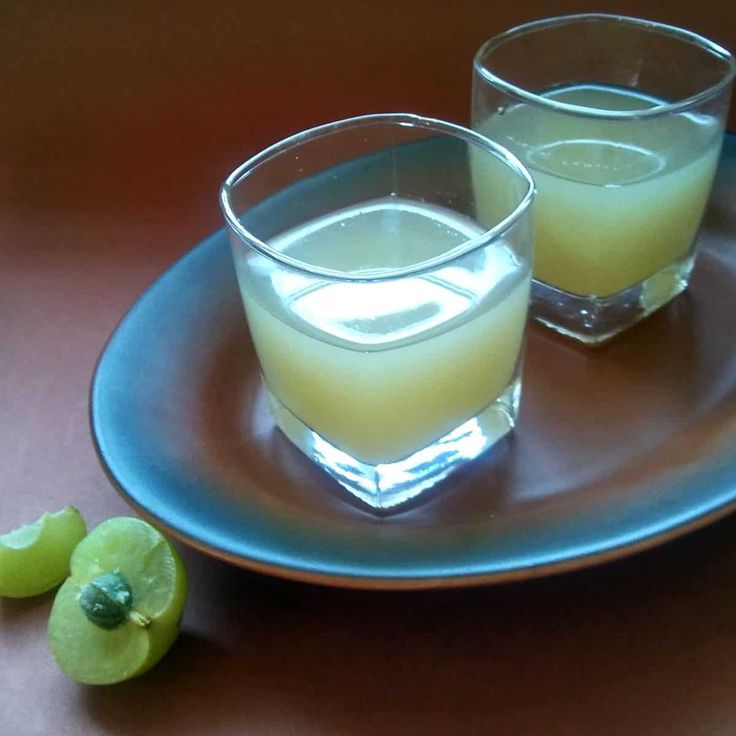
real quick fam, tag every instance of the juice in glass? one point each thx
(620, 121)
(408, 360)
(615, 204)
(387, 316)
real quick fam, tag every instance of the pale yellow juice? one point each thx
(382, 369)
(616, 201)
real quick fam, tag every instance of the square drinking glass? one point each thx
(388, 320)
(620, 122)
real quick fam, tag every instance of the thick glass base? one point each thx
(383, 487)
(594, 320)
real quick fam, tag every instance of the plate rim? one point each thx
(398, 583)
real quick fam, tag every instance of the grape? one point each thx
(35, 558)
(120, 611)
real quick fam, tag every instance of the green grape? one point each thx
(35, 558)
(121, 609)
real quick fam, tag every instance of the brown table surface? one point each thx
(118, 122)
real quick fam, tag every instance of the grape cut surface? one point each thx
(120, 611)
(35, 558)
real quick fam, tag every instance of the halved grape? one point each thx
(121, 609)
(35, 558)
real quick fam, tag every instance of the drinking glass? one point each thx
(620, 122)
(387, 316)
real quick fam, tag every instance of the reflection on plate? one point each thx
(617, 449)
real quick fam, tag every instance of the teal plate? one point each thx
(617, 449)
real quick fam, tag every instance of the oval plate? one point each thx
(617, 449)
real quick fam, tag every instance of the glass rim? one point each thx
(705, 44)
(399, 119)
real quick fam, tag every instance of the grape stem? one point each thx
(139, 619)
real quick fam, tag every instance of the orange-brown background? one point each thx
(118, 122)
